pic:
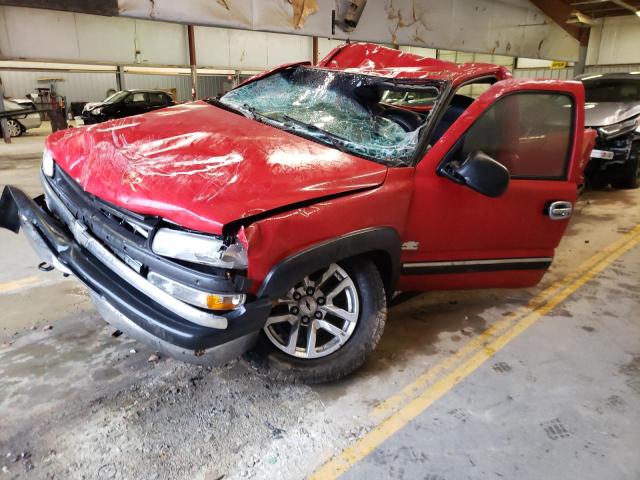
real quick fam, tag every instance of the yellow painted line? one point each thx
(19, 284)
(387, 407)
(367, 444)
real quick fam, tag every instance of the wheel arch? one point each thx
(380, 244)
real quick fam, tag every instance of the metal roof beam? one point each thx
(560, 12)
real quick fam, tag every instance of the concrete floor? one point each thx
(559, 401)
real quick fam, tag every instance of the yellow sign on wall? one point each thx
(557, 64)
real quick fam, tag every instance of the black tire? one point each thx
(279, 366)
(630, 174)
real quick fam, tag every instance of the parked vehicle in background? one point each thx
(291, 209)
(23, 120)
(613, 109)
(125, 103)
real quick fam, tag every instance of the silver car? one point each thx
(22, 121)
(613, 109)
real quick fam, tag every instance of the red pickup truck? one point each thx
(291, 209)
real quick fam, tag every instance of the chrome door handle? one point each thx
(559, 210)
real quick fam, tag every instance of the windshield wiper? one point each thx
(328, 137)
(224, 106)
(312, 129)
(256, 115)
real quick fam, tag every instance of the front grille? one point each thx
(621, 147)
(128, 235)
(85, 207)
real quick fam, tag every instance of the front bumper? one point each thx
(610, 155)
(128, 301)
(88, 119)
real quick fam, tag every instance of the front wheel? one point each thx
(326, 325)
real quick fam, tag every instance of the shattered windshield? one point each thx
(116, 97)
(340, 109)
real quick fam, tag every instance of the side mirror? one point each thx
(479, 172)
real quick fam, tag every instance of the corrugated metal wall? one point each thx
(212, 85)
(93, 86)
(77, 87)
(556, 74)
(630, 67)
(182, 83)
(208, 85)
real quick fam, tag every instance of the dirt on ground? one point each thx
(77, 402)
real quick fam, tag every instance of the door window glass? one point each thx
(529, 133)
(136, 98)
(156, 98)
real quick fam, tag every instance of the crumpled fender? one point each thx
(368, 222)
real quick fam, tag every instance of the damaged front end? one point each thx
(615, 156)
(191, 303)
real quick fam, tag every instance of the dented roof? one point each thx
(372, 59)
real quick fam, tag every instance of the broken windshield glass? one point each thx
(340, 109)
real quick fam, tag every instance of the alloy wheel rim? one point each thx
(13, 127)
(316, 317)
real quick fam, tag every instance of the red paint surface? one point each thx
(202, 167)
(372, 59)
(452, 222)
(277, 237)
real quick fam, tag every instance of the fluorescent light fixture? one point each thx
(638, 13)
(591, 77)
(215, 71)
(158, 70)
(176, 71)
(23, 65)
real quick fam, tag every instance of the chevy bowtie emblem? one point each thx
(410, 245)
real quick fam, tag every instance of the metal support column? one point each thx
(315, 50)
(579, 66)
(120, 83)
(3, 121)
(192, 62)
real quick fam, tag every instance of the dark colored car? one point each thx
(613, 109)
(125, 103)
(290, 210)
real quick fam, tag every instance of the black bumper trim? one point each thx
(499, 266)
(139, 308)
(87, 208)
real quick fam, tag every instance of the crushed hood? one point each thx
(202, 167)
(607, 113)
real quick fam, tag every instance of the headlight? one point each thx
(47, 163)
(208, 300)
(619, 128)
(96, 111)
(197, 248)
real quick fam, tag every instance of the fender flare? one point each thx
(383, 241)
